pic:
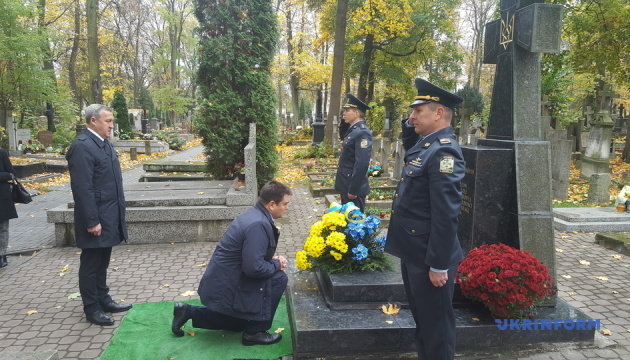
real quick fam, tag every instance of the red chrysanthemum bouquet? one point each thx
(508, 281)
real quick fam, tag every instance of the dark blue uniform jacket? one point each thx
(423, 226)
(237, 281)
(354, 161)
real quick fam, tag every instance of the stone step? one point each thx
(591, 219)
(172, 177)
(156, 225)
(591, 214)
(600, 226)
(175, 166)
(321, 332)
(30, 355)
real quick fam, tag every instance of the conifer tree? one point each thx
(121, 114)
(237, 43)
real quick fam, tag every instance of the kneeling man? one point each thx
(244, 281)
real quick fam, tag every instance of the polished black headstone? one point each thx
(488, 212)
(321, 332)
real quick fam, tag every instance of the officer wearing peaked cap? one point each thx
(354, 161)
(423, 225)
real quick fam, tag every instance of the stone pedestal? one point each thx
(596, 159)
(318, 132)
(488, 212)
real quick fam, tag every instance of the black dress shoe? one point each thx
(114, 307)
(180, 316)
(3, 261)
(260, 338)
(98, 317)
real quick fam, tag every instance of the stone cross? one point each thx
(604, 98)
(589, 114)
(513, 43)
(546, 114)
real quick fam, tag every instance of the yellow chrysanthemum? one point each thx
(315, 246)
(316, 229)
(302, 260)
(336, 255)
(337, 240)
(334, 218)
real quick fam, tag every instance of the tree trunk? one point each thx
(368, 49)
(294, 82)
(72, 76)
(96, 93)
(48, 65)
(337, 73)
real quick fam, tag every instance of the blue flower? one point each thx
(380, 242)
(360, 252)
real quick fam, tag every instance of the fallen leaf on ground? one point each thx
(191, 333)
(566, 276)
(166, 285)
(571, 293)
(615, 292)
(389, 322)
(279, 330)
(200, 193)
(202, 265)
(57, 307)
(606, 332)
(31, 312)
(618, 257)
(584, 262)
(74, 295)
(189, 293)
(390, 309)
(559, 250)
(602, 278)
(475, 319)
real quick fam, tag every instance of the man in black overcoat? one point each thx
(354, 161)
(99, 211)
(423, 225)
(244, 281)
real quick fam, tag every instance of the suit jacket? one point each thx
(7, 206)
(354, 161)
(423, 225)
(237, 281)
(97, 189)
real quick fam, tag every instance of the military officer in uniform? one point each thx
(352, 179)
(423, 226)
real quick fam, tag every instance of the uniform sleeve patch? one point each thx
(446, 164)
(364, 143)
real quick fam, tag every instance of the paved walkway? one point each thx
(138, 273)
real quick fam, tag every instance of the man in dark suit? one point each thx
(99, 211)
(354, 161)
(423, 225)
(244, 281)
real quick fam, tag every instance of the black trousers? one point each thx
(432, 309)
(204, 318)
(359, 201)
(93, 278)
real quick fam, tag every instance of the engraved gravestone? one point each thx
(514, 43)
(45, 137)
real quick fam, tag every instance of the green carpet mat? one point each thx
(145, 334)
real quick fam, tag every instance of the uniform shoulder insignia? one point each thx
(446, 164)
(362, 126)
(445, 141)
